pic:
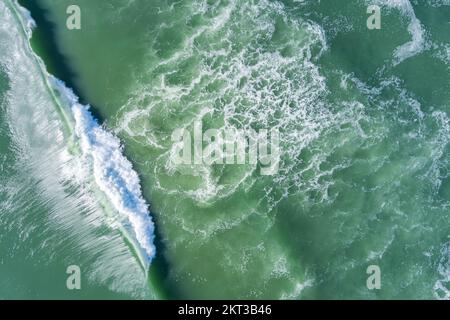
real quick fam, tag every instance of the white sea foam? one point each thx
(113, 173)
(415, 29)
(441, 287)
(417, 43)
(257, 89)
(26, 16)
(298, 289)
(49, 202)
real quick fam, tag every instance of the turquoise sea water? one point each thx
(364, 129)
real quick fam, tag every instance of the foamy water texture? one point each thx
(113, 173)
(52, 211)
(415, 29)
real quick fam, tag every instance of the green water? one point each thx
(364, 177)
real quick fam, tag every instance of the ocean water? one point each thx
(364, 174)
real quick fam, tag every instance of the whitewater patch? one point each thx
(102, 153)
(416, 45)
(264, 81)
(415, 29)
(51, 203)
(441, 290)
(113, 172)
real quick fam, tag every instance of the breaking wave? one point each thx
(101, 154)
(113, 173)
